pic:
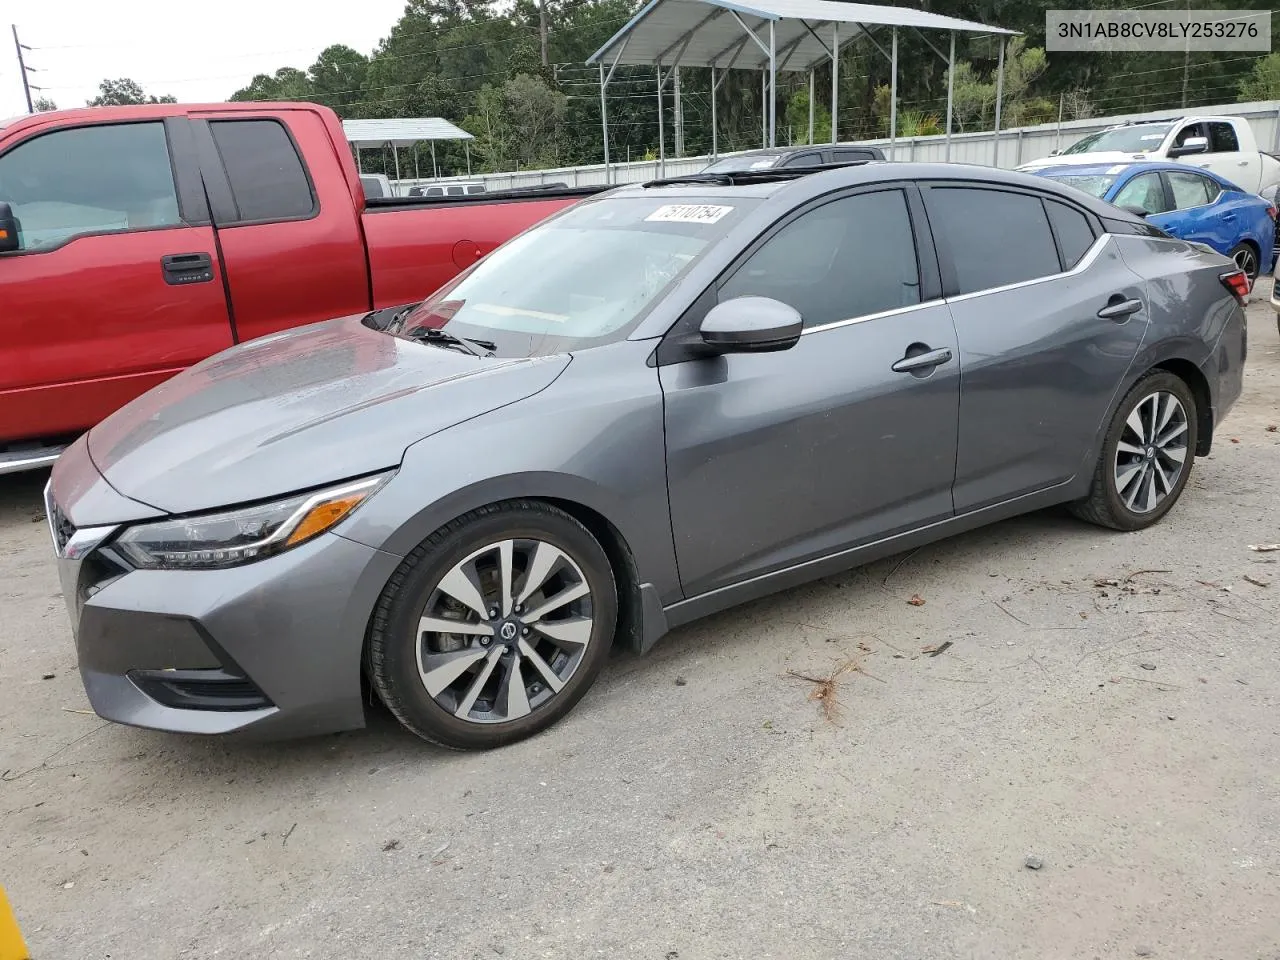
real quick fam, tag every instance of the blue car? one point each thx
(1185, 202)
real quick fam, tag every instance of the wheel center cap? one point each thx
(508, 630)
(1151, 452)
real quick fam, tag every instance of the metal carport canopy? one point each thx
(404, 132)
(772, 36)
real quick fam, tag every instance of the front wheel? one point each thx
(1146, 455)
(494, 627)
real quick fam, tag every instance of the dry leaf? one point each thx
(918, 601)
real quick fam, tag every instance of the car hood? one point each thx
(1084, 159)
(311, 406)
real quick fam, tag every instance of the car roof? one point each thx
(798, 188)
(1124, 169)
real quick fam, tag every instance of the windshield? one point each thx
(752, 161)
(582, 279)
(1096, 184)
(1140, 138)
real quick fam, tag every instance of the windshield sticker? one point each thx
(764, 164)
(1117, 169)
(1152, 136)
(688, 213)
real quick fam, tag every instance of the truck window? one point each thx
(268, 180)
(1222, 137)
(475, 188)
(454, 191)
(98, 179)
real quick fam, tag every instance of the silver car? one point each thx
(665, 401)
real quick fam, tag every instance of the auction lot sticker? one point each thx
(689, 213)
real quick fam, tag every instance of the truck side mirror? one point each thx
(1190, 146)
(8, 229)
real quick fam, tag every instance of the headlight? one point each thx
(235, 537)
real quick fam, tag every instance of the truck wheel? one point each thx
(494, 627)
(1146, 455)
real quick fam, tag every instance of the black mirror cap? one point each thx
(8, 229)
(751, 325)
(1136, 210)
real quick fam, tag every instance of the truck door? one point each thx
(115, 286)
(1226, 159)
(287, 223)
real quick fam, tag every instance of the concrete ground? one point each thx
(1108, 706)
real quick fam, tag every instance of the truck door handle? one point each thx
(1242, 163)
(1118, 308)
(920, 357)
(182, 268)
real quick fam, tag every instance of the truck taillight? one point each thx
(1237, 281)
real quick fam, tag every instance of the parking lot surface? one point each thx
(1091, 768)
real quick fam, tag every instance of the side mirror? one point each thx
(1136, 210)
(1190, 146)
(1054, 153)
(751, 325)
(8, 229)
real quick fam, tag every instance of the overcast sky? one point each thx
(196, 52)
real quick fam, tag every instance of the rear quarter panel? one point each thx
(413, 251)
(1194, 318)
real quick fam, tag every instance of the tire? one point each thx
(479, 710)
(1247, 259)
(1114, 501)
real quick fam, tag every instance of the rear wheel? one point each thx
(1146, 455)
(1246, 259)
(494, 627)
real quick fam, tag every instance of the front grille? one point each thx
(60, 528)
(200, 689)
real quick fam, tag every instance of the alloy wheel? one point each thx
(1151, 452)
(504, 630)
(1247, 261)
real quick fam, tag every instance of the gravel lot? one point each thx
(1108, 705)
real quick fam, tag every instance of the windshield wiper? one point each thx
(441, 339)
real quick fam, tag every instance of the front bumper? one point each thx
(270, 649)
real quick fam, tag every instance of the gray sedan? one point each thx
(665, 401)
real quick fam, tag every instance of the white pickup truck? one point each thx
(1224, 145)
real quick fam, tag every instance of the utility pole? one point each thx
(542, 31)
(22, 67)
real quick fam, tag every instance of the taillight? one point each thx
(1271, 212)
(1237, 281)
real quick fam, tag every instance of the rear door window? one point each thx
(804, 160)
(845, 259)
(1222, 137)
(1191, 190)
(454, 191)
(992, 237)
(268, 180)
(844, 155)
(1072, 230)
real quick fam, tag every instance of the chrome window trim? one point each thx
(910, 308)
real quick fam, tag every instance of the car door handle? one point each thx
(183, 268)
(1242, 163)
(1229, 217)
(1118, 309)
(919, 361)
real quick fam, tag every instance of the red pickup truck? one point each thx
(136, 241)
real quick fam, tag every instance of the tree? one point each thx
(337, 78)
(1263, 82)
(44, 105)
(287, 83)
(122, 92)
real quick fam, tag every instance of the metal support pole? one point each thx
(1057, 140)
(893, 97)
(662, 143)
(604, 123)
(416, 175)
(764, 113)
(995, 141)
(811, 108)
(435, 171)
(679, 117)
(395, 152)
(715, 141)
(835, 80)
(773, 85)
(467, 145)
(951, 89)
(359, 169)
(22, 68)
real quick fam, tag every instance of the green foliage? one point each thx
(122, 92)
(479, 64)
(1263, 81)
(44, 105)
